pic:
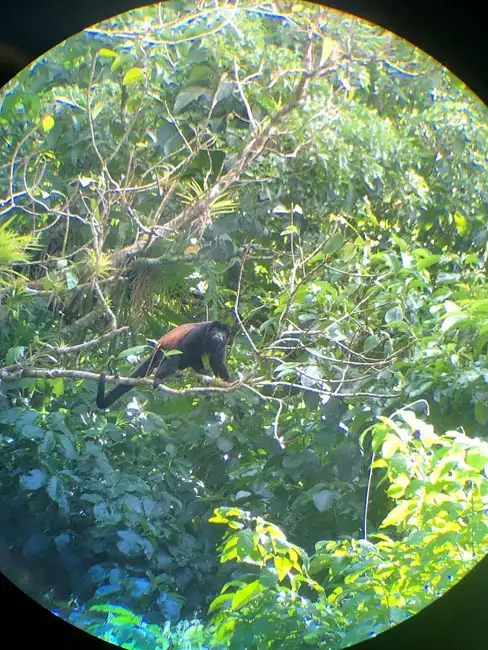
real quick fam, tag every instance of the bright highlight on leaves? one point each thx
(132, 76)
(106, 52)
(47, 123)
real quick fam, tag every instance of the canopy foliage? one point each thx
(319, 185)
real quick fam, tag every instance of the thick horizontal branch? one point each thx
(14, 372)
(88, 344)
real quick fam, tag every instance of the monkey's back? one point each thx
(173, 339)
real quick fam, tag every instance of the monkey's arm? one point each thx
(144, 369)
(218, 365)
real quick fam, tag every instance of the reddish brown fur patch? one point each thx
(172, 339)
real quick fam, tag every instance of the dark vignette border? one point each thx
(454, 34)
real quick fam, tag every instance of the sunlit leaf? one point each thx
(104, 51)
(452, 321)
(47, 123)
(245, 594)
(399, 514)
(132, 76)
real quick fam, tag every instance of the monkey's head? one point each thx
(219, 331)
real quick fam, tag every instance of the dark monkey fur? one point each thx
(193, 340)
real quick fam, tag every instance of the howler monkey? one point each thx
(193, 340)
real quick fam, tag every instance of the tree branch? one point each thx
(252, 150)
(328, 393)
(88, 344)
(10, 374)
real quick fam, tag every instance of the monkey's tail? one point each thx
(146, 367)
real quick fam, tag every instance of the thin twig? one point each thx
(236, 304)
(327, 393)
(111, 315)
(278, 438)
(243, 96)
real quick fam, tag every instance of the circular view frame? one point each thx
(299, 196)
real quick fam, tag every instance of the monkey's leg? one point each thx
(167, 367)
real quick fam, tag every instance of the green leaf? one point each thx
(105, 515)
(198, 53)
(68, 447)
(247, 593)
(14, 355)
(323, 500)
(173, 143)
(289, 230)
(281, 209)
(462, 224)
(52, 487)
(428, 261)
(106, 52)
(399, 514)
(390, 446)
(187, 96)
(481, 412)
(283, 566)
(224, 445)
(97, 109)
(477, 459)
(394, 314)
(32, 431)
(327, 47)
(418, 388)
(118, 62)
(11, 415)
(221, 602)
(245, 544)
(452, 321)
(132, 76)
(201, 73)
(370, 343)
(399, 325)
(48, 443)
(135, 351)
(47, 123)
(396, 491)
(477, 306)
(34, 480)
(334, 243)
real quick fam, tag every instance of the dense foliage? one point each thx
(319, 185)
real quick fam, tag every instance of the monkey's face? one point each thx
(220, 329)
(219, 335)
